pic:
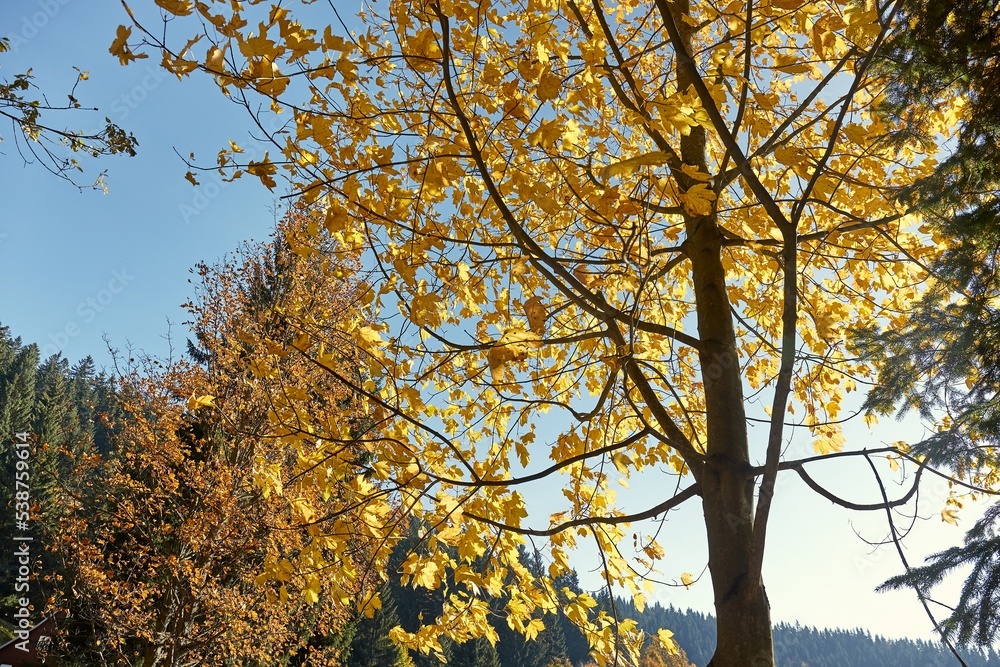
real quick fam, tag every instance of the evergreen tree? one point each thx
(577, 649)
(415, 604)
(370, 645)
(947, 359)
(54, 414)
(547, 648)
(8, 351)
(106, 411)
(475, 653)
(17, 392)
(83, 392)
(17, 397)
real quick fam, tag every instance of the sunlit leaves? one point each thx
(628, 167)
(264, 170)
(536, 188)
(535, 311)
(119, 47)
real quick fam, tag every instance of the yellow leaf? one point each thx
(369, 604)
(829, 439)
(522, 453)
(264, 170)
(547, 134)
(698, 200)
(369, 337)
(200, 402)
(654, 551)
(303, 508)
(687, 579)
(694, 173)
(176, 7)
(590, 279)
(534, 310)
(548, 87)
(626, 168)
(533, 627)
(428, 575)
(302, 342)
(950, 516)
(215, 62)
(119, 47)
(665, 638)
(312, 589)
(513, 346)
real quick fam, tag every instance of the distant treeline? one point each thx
(797, 646)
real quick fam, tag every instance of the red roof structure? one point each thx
(30, 651)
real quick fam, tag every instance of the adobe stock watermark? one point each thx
(87, 311)
(32, 23)
(22, 539)
(207, 191)
(128, 102)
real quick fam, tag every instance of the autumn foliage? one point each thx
(603, 237)
(175, 554)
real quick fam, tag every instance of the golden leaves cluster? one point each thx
(513, 174)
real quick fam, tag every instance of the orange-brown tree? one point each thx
(165, 540)
(655, 654)
(621, 221)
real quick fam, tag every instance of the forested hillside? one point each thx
(798, 646)
(59, 406)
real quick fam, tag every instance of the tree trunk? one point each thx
(743, 617)
(742, 614)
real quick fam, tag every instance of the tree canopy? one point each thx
(602, 239)
(174, 552)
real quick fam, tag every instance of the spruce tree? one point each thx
(8, 351)
(54, 414)
(83, 394)
(474, 653)
(17, 396)
(17, 392)
(371, 646)
(947, 359)
(577, 649)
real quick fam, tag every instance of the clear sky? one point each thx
(80, 266)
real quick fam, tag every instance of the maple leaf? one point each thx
(119, 47)
(626, 168)
(176, 7)
(200, 402)
(949, 515)
(535, 311)
(698, 199)
(264, 170)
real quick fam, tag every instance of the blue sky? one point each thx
(79, 266)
